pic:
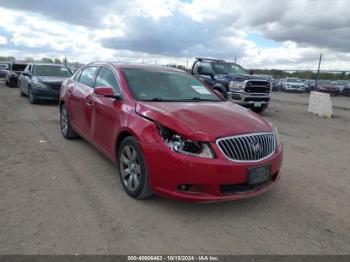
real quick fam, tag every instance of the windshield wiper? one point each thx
(201, 99)
(156, 99)
(195, 99)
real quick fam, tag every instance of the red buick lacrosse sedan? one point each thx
(169, 134)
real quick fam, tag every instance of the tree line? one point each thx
(274, 72)
(30, 59)
(304, 74)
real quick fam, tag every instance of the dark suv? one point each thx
(235, 83)
(14, 71)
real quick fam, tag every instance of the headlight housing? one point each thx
(277, 137)
(178, 144)
(235, 85)
(38, 83)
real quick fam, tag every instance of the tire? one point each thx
(259, 110)
(65, 126)
(6, 83)
(31, 97)
(21, 92)
(132, 169)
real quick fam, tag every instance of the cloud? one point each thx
(77, 12)
(263, 33)
(324, 24)
(3, 40)
(175, 35)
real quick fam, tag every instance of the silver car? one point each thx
(293, 85)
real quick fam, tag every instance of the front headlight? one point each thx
(39, 84)
(184, 146)
(277, 137)
(235, 85)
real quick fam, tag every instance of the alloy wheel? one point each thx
(130, 168)
(64, 120)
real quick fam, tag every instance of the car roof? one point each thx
(136, 66)
(46, 64)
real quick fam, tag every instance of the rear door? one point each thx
(80, 100)
(106, 112)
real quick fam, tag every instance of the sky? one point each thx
(288, 34)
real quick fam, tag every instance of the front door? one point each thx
(81, 103)
(106, 112)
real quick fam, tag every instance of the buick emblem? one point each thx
(255, 146)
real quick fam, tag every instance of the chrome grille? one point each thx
(257, 86)
(249, 147)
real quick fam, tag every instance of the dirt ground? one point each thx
(64, 197)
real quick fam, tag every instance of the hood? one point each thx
(51, 79)
(238, 77)
(204, 121)
(328, 86)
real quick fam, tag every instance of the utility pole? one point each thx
(187, 63)
(235, 59)
(65, 61)
(318, 70)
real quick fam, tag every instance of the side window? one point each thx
(88, 76)
(77, 76)
(195, 68)
(105, 77)
(207, 68)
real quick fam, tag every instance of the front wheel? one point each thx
(21, 92)
(132, 169)
(31, 97)
(66, 128)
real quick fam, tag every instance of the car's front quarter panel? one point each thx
(64, 89)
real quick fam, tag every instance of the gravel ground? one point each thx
(64, 197)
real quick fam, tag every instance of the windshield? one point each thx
(294, 80)
(50, 70)
(18, 67)
(149, 85)
(227, 68)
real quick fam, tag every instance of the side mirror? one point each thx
(106, 92)
(25, 74)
